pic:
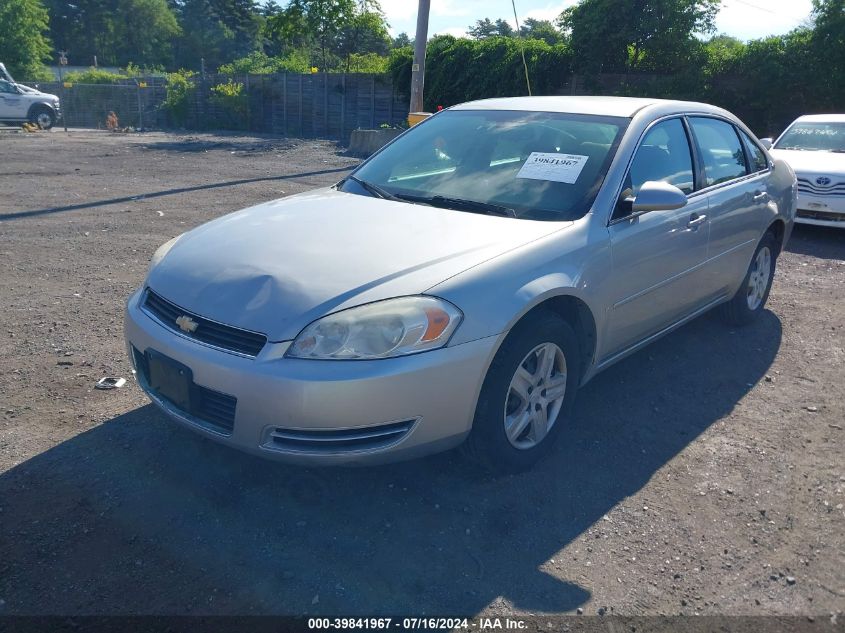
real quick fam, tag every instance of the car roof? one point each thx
(822, 118)
(602, 106)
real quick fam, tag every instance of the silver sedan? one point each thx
(461, 285)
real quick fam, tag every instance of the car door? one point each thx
(735, 179)
(10, 102)
(657, 256)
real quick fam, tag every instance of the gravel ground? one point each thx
(702, 475)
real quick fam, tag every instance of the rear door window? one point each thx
(721, 151)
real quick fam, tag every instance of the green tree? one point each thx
(401, 40)
(317, 24)
(828, 43)
(503, 28)
(540, 30)
(82, 28)
(488, 28)
(269, 9)
(144, 33)
(24, 46)
(481, 29)
(643, 34)
(216, 31)
(365, 34)
(722, 53)
(115, 31)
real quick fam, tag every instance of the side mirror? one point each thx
(767, 142)
(657, 195)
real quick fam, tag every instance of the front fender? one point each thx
(42, 104)
(494, 296)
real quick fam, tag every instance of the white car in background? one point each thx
(814, 146)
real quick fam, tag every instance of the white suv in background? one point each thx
(814, 146)
(19, 104)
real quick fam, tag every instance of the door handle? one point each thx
(760, 196)
(695, 220)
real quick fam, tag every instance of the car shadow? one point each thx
(818, 241)
(138, 515)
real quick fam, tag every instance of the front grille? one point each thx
(810, 187)
(209, 409)
(210, 332)
(335, 441)
(821, 215)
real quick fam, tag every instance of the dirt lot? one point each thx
(702, 475)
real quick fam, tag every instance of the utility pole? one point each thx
(63, 102)
(418, 69)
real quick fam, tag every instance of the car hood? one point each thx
(812, 162)
(276, 267)
(34, 93)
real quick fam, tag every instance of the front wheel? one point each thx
(527, 395)
(749, 301)
(43, 117)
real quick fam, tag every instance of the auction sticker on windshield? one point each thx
(555, 167)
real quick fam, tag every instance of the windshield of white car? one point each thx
(532, 165)
(828, 137)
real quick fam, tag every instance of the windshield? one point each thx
(814, 136)
(535, 165)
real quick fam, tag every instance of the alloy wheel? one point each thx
(535, 396)
(758, 280)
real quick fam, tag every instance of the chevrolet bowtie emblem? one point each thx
(187, 324)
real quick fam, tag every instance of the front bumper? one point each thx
(820, 210)
(323, 412)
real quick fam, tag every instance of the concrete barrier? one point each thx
(364, 143)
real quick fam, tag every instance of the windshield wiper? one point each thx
(459, 204)
(377, 191)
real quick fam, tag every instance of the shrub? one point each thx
(459, 69)
(259, 63)
(94, 76)
(231, 101)
(180, 91)
(372, 63)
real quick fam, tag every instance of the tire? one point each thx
(495, 441)
(43, 117)
(750, 300)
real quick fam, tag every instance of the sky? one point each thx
(744, 19)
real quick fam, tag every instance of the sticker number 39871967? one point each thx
(555, 167)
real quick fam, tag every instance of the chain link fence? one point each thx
(320, 105)
(328, 105)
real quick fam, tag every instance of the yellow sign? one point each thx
(417, 117)
(314, 69)
(142, 84)
(68, 84)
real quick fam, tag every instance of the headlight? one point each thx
(163, 250)
(395, 327)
